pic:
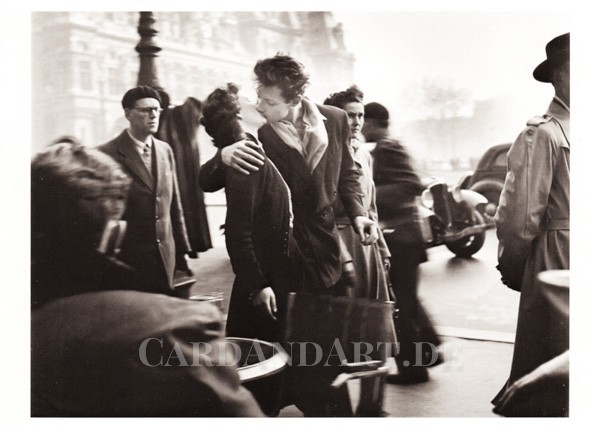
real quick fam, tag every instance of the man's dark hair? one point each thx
(378, 113)
(220, 116)
(282, 71)
(340, 99)
(137, 93)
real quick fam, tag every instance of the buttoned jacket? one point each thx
(154, 215)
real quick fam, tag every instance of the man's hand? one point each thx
(387, 264)
(264, 301)
(243, 156)
(508, 277)
(367, 229)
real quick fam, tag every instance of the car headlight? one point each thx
(427, 199)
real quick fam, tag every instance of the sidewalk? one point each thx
(463, 386)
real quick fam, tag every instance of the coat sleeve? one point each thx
(212, 174)
(243, 197)
(171, 361)
(373, 215)
(182, 243)
(523, 200)
(396, 181)
(394, 175)
(349, 185)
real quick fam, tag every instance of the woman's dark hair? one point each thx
(340, 99)
(220, 116)
(283, 71)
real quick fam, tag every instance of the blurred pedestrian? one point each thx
(88, 322)
(397, 187)
(77, 194)
(370, 262)
(532, 220)
(155, 224)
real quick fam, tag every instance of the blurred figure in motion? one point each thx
(155, 224)
(98, 347)
(179, 127)
(397, 186)
(532, 220)
(370, 262)
(76, 196)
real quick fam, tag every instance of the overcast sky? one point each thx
(489, 54)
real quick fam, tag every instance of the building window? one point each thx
(85, 75)
(114, 82)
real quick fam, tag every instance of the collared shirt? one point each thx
(140, 145)
(562, 103)
(315, 140)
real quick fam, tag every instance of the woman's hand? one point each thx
(264, 302)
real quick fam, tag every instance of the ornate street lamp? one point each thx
(148, 50)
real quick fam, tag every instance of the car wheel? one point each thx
(469, 245)
(493, 197)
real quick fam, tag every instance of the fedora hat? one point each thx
(557, 51)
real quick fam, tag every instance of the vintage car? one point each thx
(453, 216)
(488, 177)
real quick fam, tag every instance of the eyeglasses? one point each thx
(148, 110)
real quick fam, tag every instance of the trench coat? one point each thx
(532, 224)
(155, 223)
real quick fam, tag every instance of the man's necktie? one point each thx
(147, 157)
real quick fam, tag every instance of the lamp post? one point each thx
(148, 50)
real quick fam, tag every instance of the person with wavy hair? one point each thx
(76, 194)
(90, 317)
(370, 262)
(310, 145)
(258, 234)
(258, 228)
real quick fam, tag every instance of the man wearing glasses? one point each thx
(155, 223)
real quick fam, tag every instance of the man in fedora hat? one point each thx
(532, 224)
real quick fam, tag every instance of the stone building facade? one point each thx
(83, 62)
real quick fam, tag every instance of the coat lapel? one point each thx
(160, 157)
(281, 153)
(133, 160)
(330, 138)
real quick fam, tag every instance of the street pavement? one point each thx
(472, 310)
